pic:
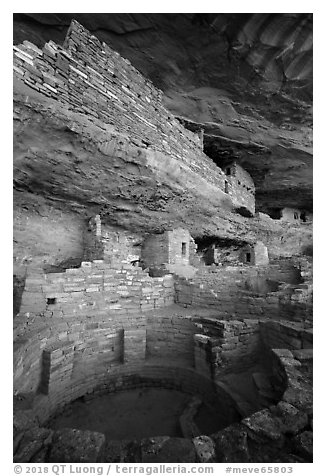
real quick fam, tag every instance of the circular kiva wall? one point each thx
(83, 328)
(60, 360)
(98, 327)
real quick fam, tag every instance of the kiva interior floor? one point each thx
(137, 413)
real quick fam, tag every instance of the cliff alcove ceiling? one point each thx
(245, 79)
(163, 236)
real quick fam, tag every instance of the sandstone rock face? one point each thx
(167, 450)
(242, 85)
(69, 166)
(251, 91)
(303, 444)
(122, 451)
(263, 426)
(33, 446)
(74, 446)
(293, 420)
(205, 449)
(231, 445)
(62, 173)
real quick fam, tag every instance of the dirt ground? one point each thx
(130, 414)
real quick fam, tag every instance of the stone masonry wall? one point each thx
(124, 377)
(290, 214)
(96, 81)
(258, 254)
(170, 339)
(58, 360)
(173, 247)
(94, 288)
(90, 306)
(249, 292)
(241, 187)
(226, 346)
(155, 250)
(93, 246)
(282, 432)
(62, 360)
(120, 246)
(297, 300)
(286, 335)
(178, 242)
(225, 289)
(102, 242)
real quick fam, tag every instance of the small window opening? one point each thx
(248, 257)
(296, 216)
(303, 216)
(226, 186)
(228, 171)
(51, 300)
(183, 249)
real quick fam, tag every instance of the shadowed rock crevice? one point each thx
(163, 238)
(253, 85)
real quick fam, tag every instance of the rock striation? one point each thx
(250, 92)
(140, 260)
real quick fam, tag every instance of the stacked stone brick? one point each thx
(172, 249)
(95, 288)
(105, 243)
(241, 187)
(170, 340)
(57, 364)
(104, 353)
(226, 345)
(225, 289)
(230, 291)
(286, 335)
(96, 81)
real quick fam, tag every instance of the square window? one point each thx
(51, 301)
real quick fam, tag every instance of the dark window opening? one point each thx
(248, 257)
(226, 186)
(244, 212)
(51, 301)
(303, 216)
(296, 216)
(228, 171)
(183, 249)
(275, 213)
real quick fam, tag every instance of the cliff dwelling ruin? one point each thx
(163, 281)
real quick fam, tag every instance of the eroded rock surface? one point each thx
(251, 90)
(246, 83)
